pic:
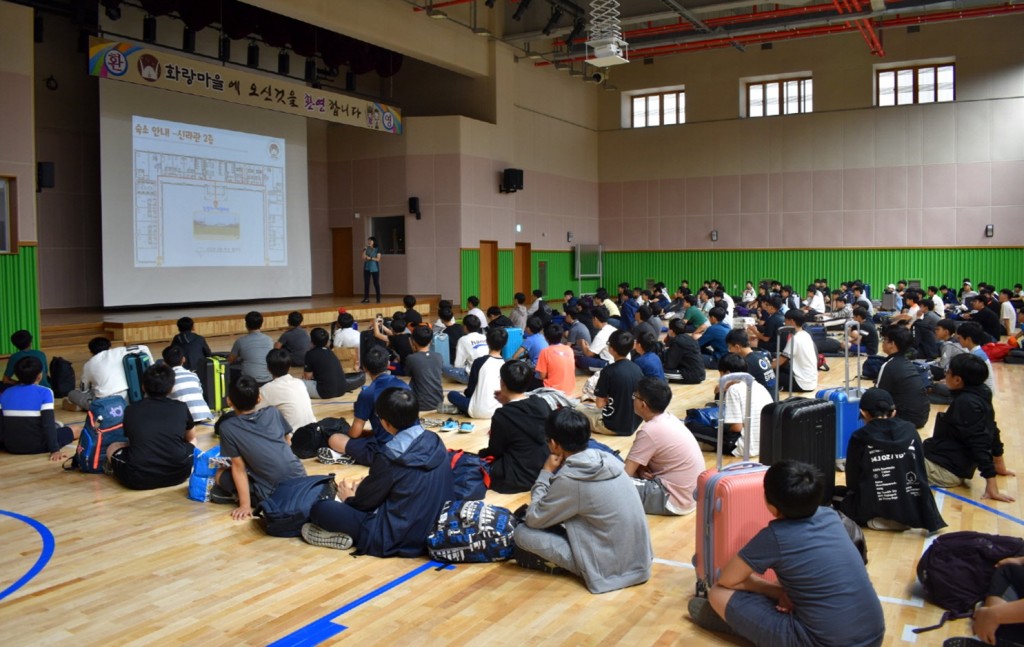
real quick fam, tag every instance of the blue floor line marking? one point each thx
(44, 555)
(323, 628)
(998, 513)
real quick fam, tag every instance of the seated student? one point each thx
(926, 341)
(865, 340)
(250, 350)
(1000, 619)
(984, 317)
(409, 303)
(519, 314)
(683, 361)
(474, 309)
(645, 354)
(286, 392)
(665, 459)
(533, 343)
(611, 413)
(345, 336)
(516, 441)
(193, 347)
(735, 412)
(694, 317)
(391, 511)
(899, 376)
(767, 333)
(585, 516)
(471, 345)
(972, 338)
(495, 317)
(159, 431)
(949, 347)
(823, 596)
(595, 355)
(861, 300)
(887, 484)
(966, 437)
(440, 323)
(759, 363)
(556, 365)
(423, 367)
(452, 329)
(362, 442)
(799, 359)
(655, 322)
(22, 340)
(841, 308)
(187, 387)
(295, 340)
(396, 337)
(712, 341)
(27, 424)
(569, 298)
(575, 330)
(1007, 315)
(478, 401)
(103, 375)
(644, 319)
(322, 372)
(256, 441)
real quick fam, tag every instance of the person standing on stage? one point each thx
(371, 267)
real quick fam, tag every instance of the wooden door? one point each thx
(488, 273)
(523, 269)
(343, 258)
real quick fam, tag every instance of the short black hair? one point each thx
(900, 336)
(28, 369)
(422, 335)
(398, 324)
(519, 297)
(445, 314)
(345, 320)
(553, 334)
(970, 368)
(794, 488)
(375, 360)
(473, 301)
(600, 313)
(494, 311)
(731, 363)
(775, 301)
(516, 375)
(158, 380)
(496, 337)
(927, 304)
(656, 393)
(244, 393)
(413, 318)
(21, 339)
(796, 316)
(538, 293)
(319, 337)
(972, 330)
(648, 340)
(947, 325)
(278, 361)
(185, 324)
(535, 325)
(861, 311)
(398, 407)
(172, 355)
(295, 319)
(409, 301)
(621, 342)
(472, 323)
(98, 344)
(644, 312)
(253, 320)
(569, 428)
(677, 326)
(737, 338)
(718, 313)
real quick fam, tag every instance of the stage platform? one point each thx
(156, 324)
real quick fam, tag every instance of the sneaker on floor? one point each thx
(466, 428)
(429, 423)
(317, 536)
(328, 456)
(878, 523)
(705, 617)
(447, 408)
(222, 496)
(449, 425)
(535, 562)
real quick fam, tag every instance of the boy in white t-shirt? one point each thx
(470, 347)
(799, 359)
(735, 412)
(1007, 315)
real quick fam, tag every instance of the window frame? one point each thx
(781, 83)
(680, 109)
(916, 68)
(626, 120)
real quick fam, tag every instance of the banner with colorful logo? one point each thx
(125, 61)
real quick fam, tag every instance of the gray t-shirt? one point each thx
(425, 371)
(251, 350)
(259, 438)
(296, 342)
(578, 331)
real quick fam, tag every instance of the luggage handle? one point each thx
(778, 354)
(847, 325)
(723, 382)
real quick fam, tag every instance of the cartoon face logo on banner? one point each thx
(149, 67)
(115, 63)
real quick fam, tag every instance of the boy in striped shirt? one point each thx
(27, 424)
(187, 387)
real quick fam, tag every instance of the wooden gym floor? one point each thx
(145, 568)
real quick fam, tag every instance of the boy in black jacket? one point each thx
(966, 436)
(899, 376)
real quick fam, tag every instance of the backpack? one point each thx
(703, 417)
(308, 439)
(957, 568)
(472, 531)
(593, 444)
(996, 352)
(871, 367)
(204, 468)
(62, 377)
(472, 474)
(283, 513)
(104, 424)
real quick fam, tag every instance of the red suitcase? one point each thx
(730, 502)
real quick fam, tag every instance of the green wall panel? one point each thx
(561, 273)
(19, 307)
(506, 276)
(470, 274)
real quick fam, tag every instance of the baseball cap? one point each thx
(875, 399)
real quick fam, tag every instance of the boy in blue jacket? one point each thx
(393, 509)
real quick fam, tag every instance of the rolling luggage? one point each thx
(135, 364)
(515, 340)
(215, 382)
(439, 345)
(801, 429)
(730, 503)
(847, 403)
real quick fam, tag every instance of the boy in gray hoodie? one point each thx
(585, 515)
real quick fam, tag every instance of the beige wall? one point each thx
(17, 148)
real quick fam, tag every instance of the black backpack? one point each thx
(308, 439)
(62, 377)
(284, 512)
(957, 568)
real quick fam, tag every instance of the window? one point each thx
(6, 187)
(390, 233)
(660, 109)
(915, 84)
(780, 97)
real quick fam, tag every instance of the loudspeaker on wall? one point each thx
(414, 205)
(45, 175)
(511, 180)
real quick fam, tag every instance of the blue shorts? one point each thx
(755, 617)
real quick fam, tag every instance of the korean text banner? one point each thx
(124, 61)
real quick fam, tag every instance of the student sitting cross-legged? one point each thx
(478, 400)
(612, 412)
(187, 387)
(556, 366)
(391, 511)
(160, 432)
(286, 392)
(585, 515)
(27, 424)
(823, 596)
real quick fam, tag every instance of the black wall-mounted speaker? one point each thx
(414, 205)
(45, 175)
(511, 180)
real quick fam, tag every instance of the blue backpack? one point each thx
(472, 531)
(283, 513)
(472, 474)
(203, 471)
(593, 444)
(104, 424)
